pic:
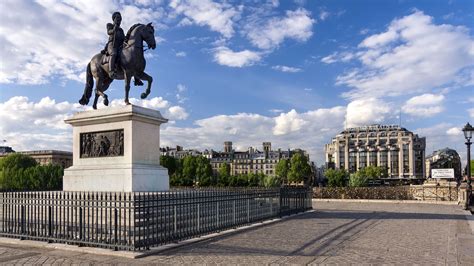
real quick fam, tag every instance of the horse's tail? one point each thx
(89, 86)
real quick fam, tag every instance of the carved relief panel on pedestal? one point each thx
(102, 144)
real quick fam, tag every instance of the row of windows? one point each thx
(267, 172)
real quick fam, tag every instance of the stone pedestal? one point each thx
(116, 149)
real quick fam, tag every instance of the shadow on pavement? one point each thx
(351, 214)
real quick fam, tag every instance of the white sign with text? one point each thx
(442, 173)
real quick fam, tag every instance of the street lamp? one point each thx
(468, 135)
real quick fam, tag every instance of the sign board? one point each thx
(442, 173)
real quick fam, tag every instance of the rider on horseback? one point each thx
(115, 43)
(114, 46)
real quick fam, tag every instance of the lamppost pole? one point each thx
(469, 186)
(467, 130)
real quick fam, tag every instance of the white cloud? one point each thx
(287, 69)
(364, 31)
(181, 54)
(412, 55)
(158, 103)
(177, 113)
(454, 131)
(154, 103)
(471, 112)
(226, 57)
(323, 15)
(218, 17)
(296, 25)
(246, 130)
(181, 88)
(29, 125)
(276, 111)
(180, 94)
(41, 39)
(368, 111)
(442, 135)
(424, 105)
(338, 57)
(287, 123)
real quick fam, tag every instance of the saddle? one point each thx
(106, 58)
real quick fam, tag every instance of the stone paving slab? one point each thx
(337, 233)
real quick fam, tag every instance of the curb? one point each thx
(387, 201)
(141, 254)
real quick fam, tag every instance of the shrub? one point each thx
(336, 177)
(357, 180)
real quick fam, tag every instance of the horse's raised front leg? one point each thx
(127, 78)
(149, 80)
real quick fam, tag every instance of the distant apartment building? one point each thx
(444, 158)
(178, 152)
(395, 148)
(240, 162)
(43, 157)
(250, 161)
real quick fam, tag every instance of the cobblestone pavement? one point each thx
(337, 233)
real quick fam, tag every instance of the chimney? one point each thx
(228, 146)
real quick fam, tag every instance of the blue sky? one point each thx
(291, 72)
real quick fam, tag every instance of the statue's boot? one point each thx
(112, 63)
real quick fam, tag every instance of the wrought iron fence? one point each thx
(136, 221)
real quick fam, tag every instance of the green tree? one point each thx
(255, 179)
(240, 180)
(17, 160)
(271, 181)
(204, 172)
(170, 163)
(21, 172)
(336, 177)
(223, 175)
(357, 180)
(189, 167)
(372, 172)
(282, 168)
(299, 170)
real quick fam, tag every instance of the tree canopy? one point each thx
(336, 177)
(21, 172)
(299, 170)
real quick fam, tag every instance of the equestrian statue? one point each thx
(122, 59)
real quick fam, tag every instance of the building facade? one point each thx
(240, 162)
(250, 161)
(444, 158)
(43, 157)
(392, 147)
(178, 152)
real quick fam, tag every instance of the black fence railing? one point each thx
(137, 221)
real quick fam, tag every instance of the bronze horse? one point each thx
(132, 63)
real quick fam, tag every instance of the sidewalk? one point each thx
(337, 232)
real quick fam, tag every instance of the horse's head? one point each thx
(148, 35)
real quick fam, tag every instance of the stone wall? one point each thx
(427, 192)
